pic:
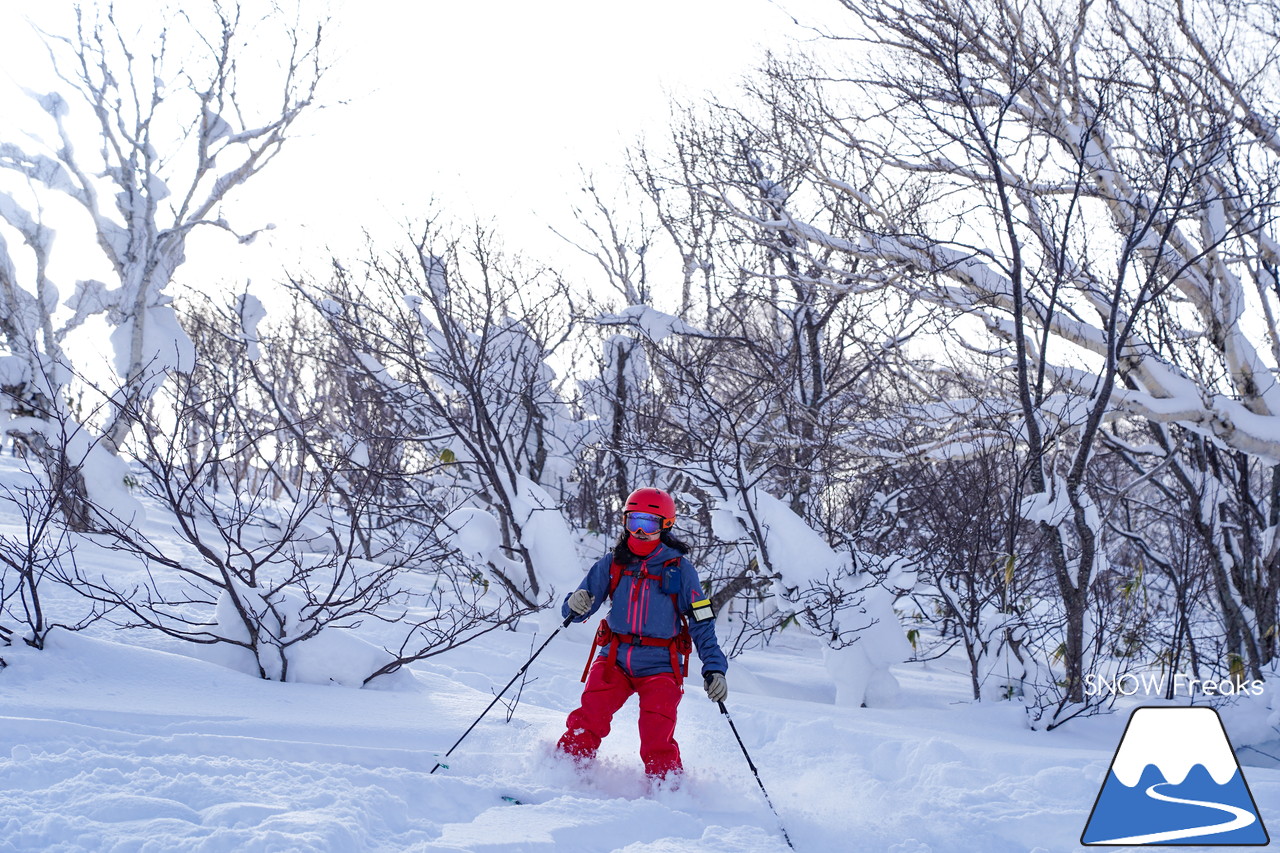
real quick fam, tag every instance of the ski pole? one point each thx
(519, 672)
(751, 764)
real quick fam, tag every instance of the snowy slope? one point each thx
(125, 741)
(106, 746)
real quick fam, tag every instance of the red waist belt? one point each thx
(681, 645)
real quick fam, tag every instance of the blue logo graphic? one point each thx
(1175, 780)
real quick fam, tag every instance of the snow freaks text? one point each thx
(1152, 684)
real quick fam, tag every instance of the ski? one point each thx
(513, 801)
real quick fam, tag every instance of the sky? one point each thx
(487, 110)
(494, 109)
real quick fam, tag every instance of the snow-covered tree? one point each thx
(456, 337)
(1045, 174)
(36, 554)
(155, 123)
(281, 537)
(761, 398)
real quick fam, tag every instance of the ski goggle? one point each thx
(645, 522)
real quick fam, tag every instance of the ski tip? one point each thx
(513, 801)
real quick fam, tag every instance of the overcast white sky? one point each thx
(492, 107)
(480, 107)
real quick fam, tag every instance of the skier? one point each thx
(657, 614)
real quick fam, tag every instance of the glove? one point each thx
(580, 602)
(716, 686)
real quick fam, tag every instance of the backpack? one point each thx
(681, 645)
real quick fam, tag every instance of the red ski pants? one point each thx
(608, 688)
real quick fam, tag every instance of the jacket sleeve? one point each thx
(694, 604)
(597, 583)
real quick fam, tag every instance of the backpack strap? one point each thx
(682, 642)
(604, 634)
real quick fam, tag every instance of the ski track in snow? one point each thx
(111, 747)
(1240, 819)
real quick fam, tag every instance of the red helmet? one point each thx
(655, 501)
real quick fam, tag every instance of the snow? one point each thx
(108, 746)
(338, 656)
(478, 535)
(14, 370)
(652, 323)
(546, 534)
(106, 481)
(165, 343)
(117, 740)
(252, 312)
(91, 297)
(858, 679)
(473, 531)
(215, 126)
(1052, 508)
(803, 563)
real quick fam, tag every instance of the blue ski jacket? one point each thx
(643, 605)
